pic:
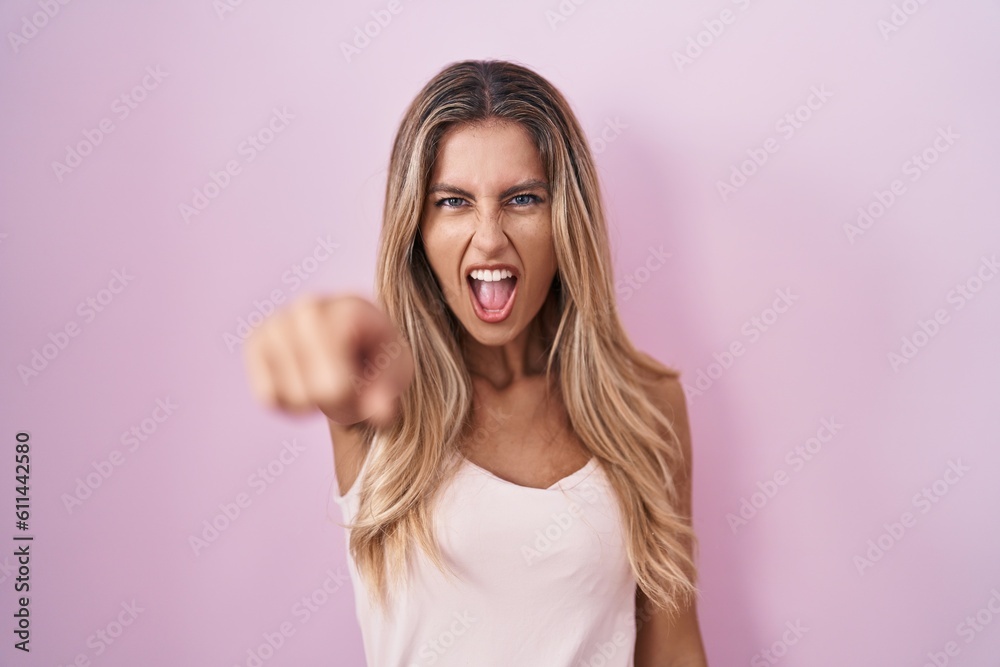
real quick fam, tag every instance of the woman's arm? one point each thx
(663, 640)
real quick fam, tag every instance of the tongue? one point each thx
(493, 295)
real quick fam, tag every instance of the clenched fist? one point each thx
(339, 354)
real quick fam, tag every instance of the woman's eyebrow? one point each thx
(530, 184)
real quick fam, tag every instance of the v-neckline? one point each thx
(565, 482)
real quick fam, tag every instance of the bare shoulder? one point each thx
(348, 453)
(663, 638)
(666, 391)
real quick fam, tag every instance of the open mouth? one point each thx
(492, 293)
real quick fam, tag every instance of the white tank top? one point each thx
(544, 578)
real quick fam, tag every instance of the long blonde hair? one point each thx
(602, 379)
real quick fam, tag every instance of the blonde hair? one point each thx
(602, 379)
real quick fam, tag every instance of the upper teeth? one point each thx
(490, 276)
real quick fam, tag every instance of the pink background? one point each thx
(670, 134)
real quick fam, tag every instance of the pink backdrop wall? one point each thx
(823, 496)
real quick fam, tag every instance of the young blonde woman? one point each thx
(515, 475)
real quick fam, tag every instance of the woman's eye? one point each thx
(517, 200)
(524, 200)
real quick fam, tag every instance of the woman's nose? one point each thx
(489, 233)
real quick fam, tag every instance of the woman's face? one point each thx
(488, 207)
